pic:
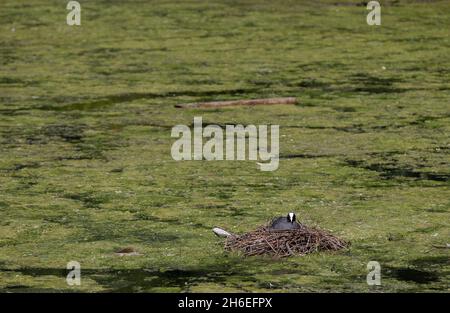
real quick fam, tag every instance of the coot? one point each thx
(285, 223)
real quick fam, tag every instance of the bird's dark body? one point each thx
(283, 223)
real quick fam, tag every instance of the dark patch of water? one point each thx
(143, 279)
(344, 109)
(304, 156)
(13, 112)
(69, 133)
(128, 97)
(20, 166)
(87, 199)
(76, 158)
(348, 129)
(11, 81)
(412, 275)
(392, 170)
(431, 261)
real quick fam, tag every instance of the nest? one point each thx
(284, 243)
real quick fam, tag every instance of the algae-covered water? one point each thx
(85, 135)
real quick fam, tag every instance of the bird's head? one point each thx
(291, 217)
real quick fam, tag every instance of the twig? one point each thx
(251, 102)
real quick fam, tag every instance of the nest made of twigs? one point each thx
(284, 243)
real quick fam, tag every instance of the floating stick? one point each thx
(251, 102)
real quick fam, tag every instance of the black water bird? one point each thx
(285, 223)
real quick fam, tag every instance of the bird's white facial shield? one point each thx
(291, 217)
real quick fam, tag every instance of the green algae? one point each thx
(85, 165)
